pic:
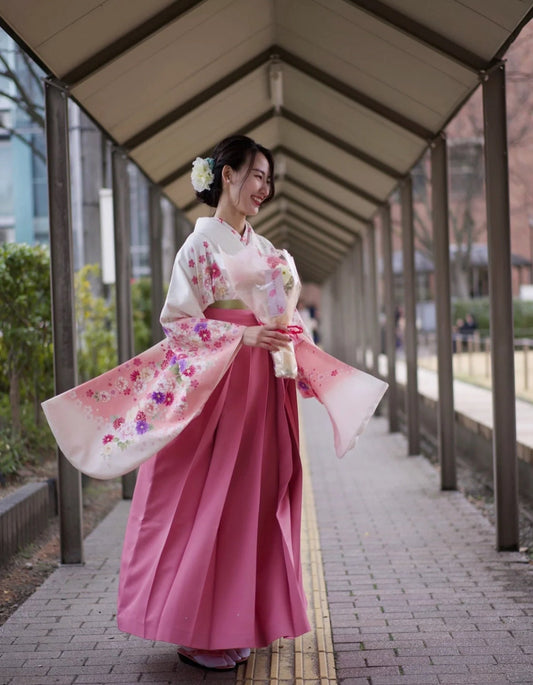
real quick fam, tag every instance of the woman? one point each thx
(211, 558)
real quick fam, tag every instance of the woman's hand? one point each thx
(268, 337)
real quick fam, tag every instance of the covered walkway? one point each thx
(349, 94)
(414, 590)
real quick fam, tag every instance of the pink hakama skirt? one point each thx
(211, 555)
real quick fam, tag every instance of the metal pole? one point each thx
(390, 320)
(501, 311)
(63, 322)
(409, 285)
(360, 298)
(373, 309)
(441, 246)
(351, 289)
(121, 216)
(156, 260)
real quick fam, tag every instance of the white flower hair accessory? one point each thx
(202, 173)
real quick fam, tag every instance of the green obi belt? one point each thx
(229, 304)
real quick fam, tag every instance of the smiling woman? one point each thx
(211, 557)
(242, 179)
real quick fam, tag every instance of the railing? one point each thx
(472, 360)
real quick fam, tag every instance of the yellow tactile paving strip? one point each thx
(309, 659)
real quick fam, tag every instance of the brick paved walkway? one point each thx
(417, 592)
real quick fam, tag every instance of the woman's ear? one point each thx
(226, 173)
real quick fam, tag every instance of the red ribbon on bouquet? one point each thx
(291, 330)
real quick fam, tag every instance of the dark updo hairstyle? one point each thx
(235, 151)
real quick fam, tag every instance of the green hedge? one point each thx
(479, 308)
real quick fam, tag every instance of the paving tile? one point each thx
(422, 557)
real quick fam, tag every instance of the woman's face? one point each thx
(248, 188)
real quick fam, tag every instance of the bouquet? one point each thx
(270, 286)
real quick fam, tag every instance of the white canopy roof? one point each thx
(365, 85)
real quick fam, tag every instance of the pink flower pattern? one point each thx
(152, 390)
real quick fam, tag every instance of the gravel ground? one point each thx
(478, 489)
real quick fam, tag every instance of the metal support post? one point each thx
(441, 246)
(351, 290)
(344, 310)
(373, 308)
(360, 295)
(409, 285)
(63, 322)
(156, 261)
(390, 319)
(501, 311)
(121, 217)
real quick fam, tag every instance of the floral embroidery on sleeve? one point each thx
(157, 387)
(205, 275)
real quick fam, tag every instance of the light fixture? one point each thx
(275, 78)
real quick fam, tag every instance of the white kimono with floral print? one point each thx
(111, 424)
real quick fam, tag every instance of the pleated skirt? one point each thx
(211, 556)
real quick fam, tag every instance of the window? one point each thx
(465, 162)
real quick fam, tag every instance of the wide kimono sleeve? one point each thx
(111, 424)
(349, 395)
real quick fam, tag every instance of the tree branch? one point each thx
(13, 132)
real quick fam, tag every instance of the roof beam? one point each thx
(353, 94)
(296, 62)
(311, 191)
(265, 220)
(317, 168)
(186, 168)
(318, 236)
(308, 271)
(321, 253)
(320, 239)
(423, 34)
(303, 263)
(301, 256)
(341, 144)
(276, 233)
(326, 219)
(128, 41)
(302, 250)
(197, 100)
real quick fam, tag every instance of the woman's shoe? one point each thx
(239, 655)
(214, 660)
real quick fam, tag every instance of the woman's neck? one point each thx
(235, 219)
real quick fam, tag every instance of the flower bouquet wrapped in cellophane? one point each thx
(270, 286)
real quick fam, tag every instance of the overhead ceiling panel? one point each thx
(176, 64)
(321, 206)
(374, 58)
(200, 129)
(332, 236)
(326, 186)
(64, 33)
(335, 159)
(482, 26)
(357, 125)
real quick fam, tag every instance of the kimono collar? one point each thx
(223, 234)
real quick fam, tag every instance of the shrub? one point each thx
(142, 306)
(95, 325)
(480, 309)
(26, 331)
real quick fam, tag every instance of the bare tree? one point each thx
(25, 89)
